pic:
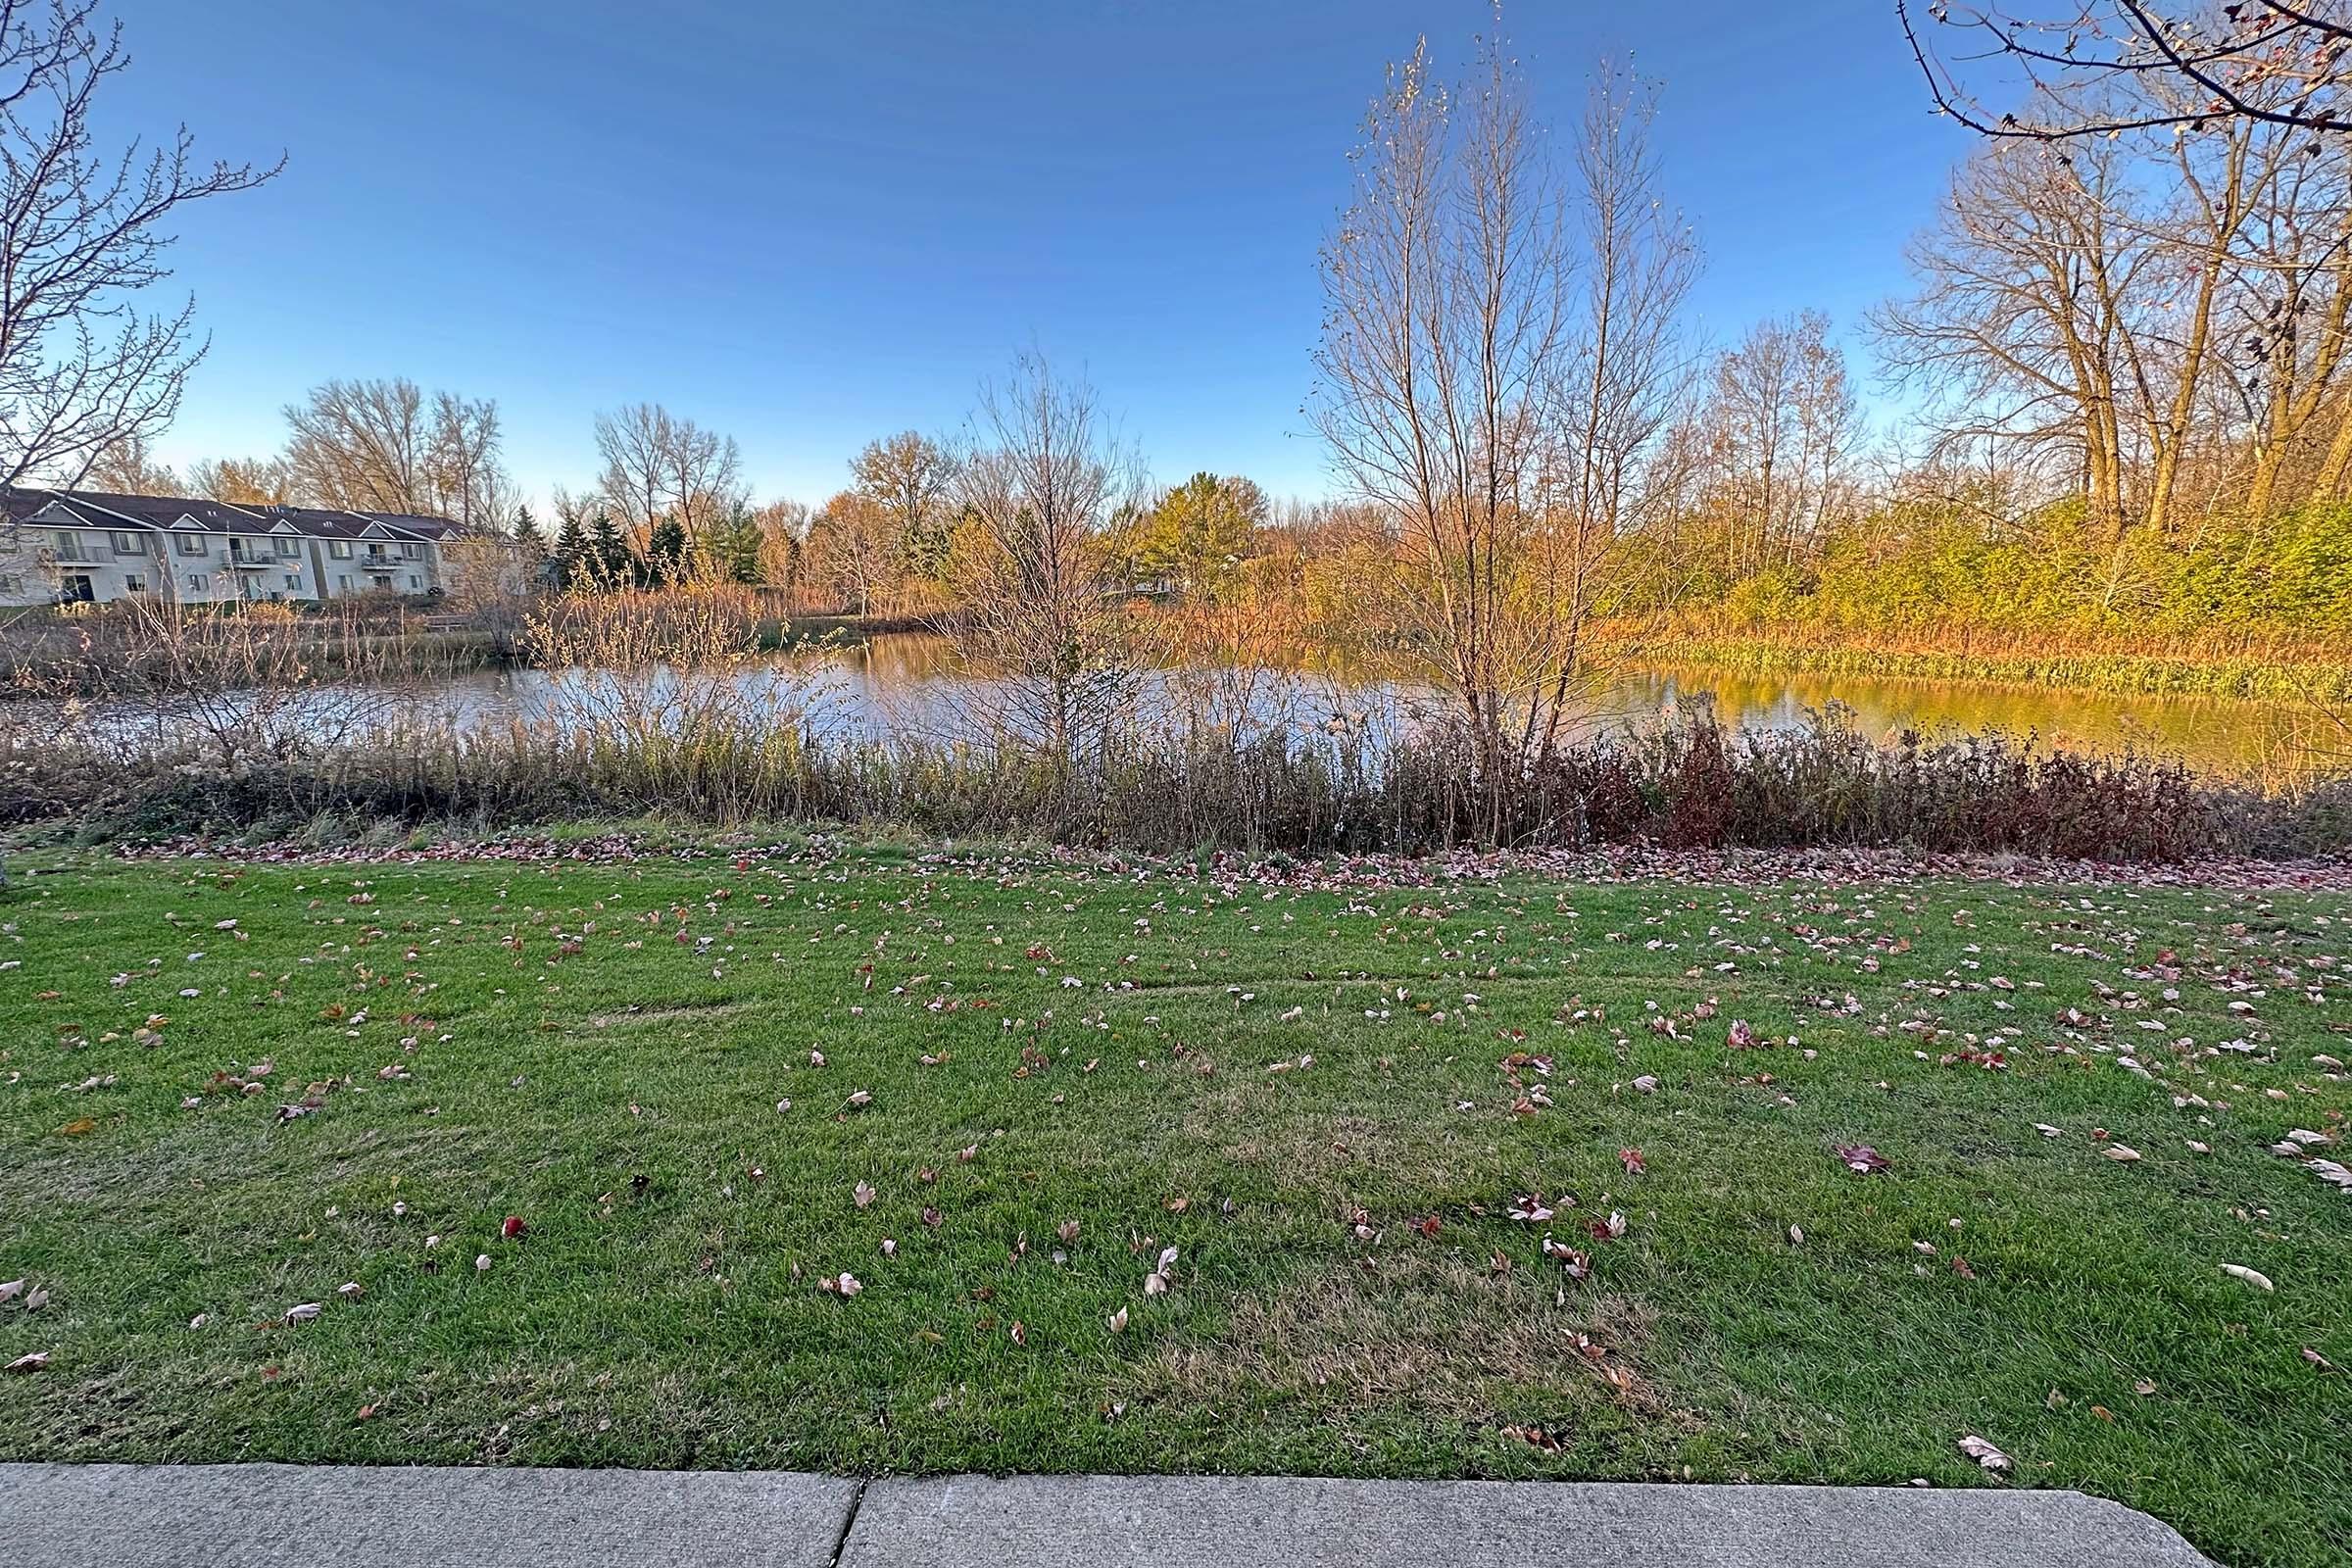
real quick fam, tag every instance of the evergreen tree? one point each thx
(531, 548)
(666, 551)
(608, 552)
(572, 551)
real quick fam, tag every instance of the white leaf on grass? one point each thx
(2121, 1155)
(2238, 1271)
(1985, 1454)
(863, 1193)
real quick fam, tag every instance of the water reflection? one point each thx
(916, 684)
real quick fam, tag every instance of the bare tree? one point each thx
(1498, 418)
(1780, 417)
(1037, 489)
(242, 481)
(2094, 67)
(82, 236)
(127, 467)
(384, 446)
(2028, 292)
(1631, 382)
(853, 551)
(657, 464)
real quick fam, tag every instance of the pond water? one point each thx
(916, 683)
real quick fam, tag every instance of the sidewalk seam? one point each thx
(840, 1543)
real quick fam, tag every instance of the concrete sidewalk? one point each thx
(275, 1516)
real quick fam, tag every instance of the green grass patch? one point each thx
(623, 1056)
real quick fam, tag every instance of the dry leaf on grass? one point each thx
(1985, 1454)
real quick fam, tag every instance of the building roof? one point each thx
(102, 509)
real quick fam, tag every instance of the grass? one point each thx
(600, 1048)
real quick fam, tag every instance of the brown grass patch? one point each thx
(1428, 1331)
(637, 1018)
(1257, 1125)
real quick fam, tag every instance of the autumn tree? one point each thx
(853, 551)
(83, 234)
(908, 477)
(1198, 534)
(128, 468)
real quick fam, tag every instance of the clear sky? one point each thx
(810, 225)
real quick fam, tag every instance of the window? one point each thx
(10, 583)
(285, 549)
(189, 544)
(415, 582)
(343, 582)
(197, 582)
(340, 550)
(408, 552)
(134, 582)
(294, 580)
(129, 544)
(68, 545)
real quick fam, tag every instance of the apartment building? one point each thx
(94, 547)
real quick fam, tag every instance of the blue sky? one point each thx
(808, 225)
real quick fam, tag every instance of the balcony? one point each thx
(245, 559)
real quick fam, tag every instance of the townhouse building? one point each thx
(94, 547)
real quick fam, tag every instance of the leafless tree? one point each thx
(853, 551)
(1445, 348)
(127, 467)
(384, 446)
(1499, 418)
(1042, 479)
(1781, 418)
(242, 481)
(657, 464)
(81, 235)
(2094, 68)
(1631, 382)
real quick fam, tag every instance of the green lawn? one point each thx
(623, 1056)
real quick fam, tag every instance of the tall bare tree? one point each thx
(242, 481)
(384, 446)
(1446, 347)
(128, 468)
(1632, 381)
(659, 464)
(1500, 418)
(82, 236)
(1780, 417)
(1037, 490)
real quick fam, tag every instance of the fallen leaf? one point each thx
(30, 1363)
(1864, 1160)
(863, 1193)
(2121, 1155)
(1985, 1454)
(2238, 1271)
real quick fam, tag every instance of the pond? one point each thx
(916, 683)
